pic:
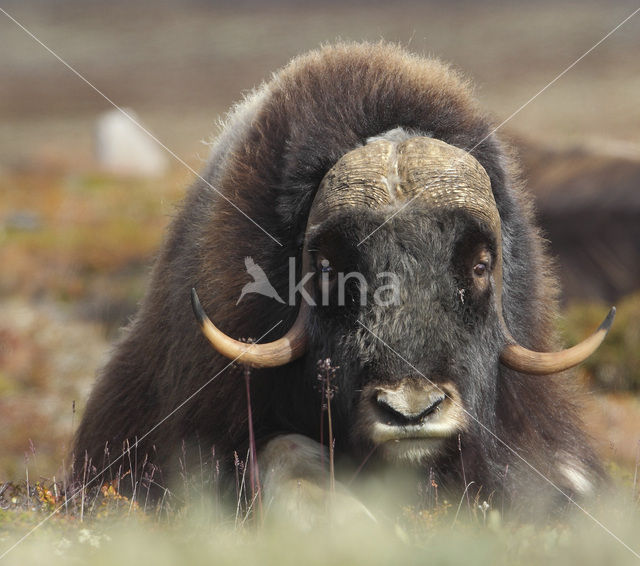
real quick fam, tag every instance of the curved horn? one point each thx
(383, 172)
(455, 179)
(521, 359)
(282, 351)
(334, 192)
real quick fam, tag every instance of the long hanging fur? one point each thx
(273, 151)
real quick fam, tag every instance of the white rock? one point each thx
(123, 148)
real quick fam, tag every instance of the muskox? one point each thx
(597, 260)
(354, 159)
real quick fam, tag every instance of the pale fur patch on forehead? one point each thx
(392, 179)
(396, 136)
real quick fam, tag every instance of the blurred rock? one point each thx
(123, 148)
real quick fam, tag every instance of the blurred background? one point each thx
(80, 222)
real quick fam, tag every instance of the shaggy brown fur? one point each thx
(274, 150)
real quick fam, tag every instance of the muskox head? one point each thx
(420, 367)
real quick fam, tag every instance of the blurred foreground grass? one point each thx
(118, 531)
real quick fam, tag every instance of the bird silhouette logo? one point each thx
(260, 283)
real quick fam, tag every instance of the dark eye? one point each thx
(480, 269)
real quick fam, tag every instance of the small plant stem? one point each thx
(466, 489)
(254, 473)
(26, 464)
(64, 487)
(146, 499)
(504, 481)
(84, 485)
(362, 464)
(635, 474)
(236, 462)
(242, 489)
(464, 477)
(322, 427)
(332, 478)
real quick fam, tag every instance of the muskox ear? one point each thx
(589, 209)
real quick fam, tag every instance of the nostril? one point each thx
(434, 405)
(407, 411)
